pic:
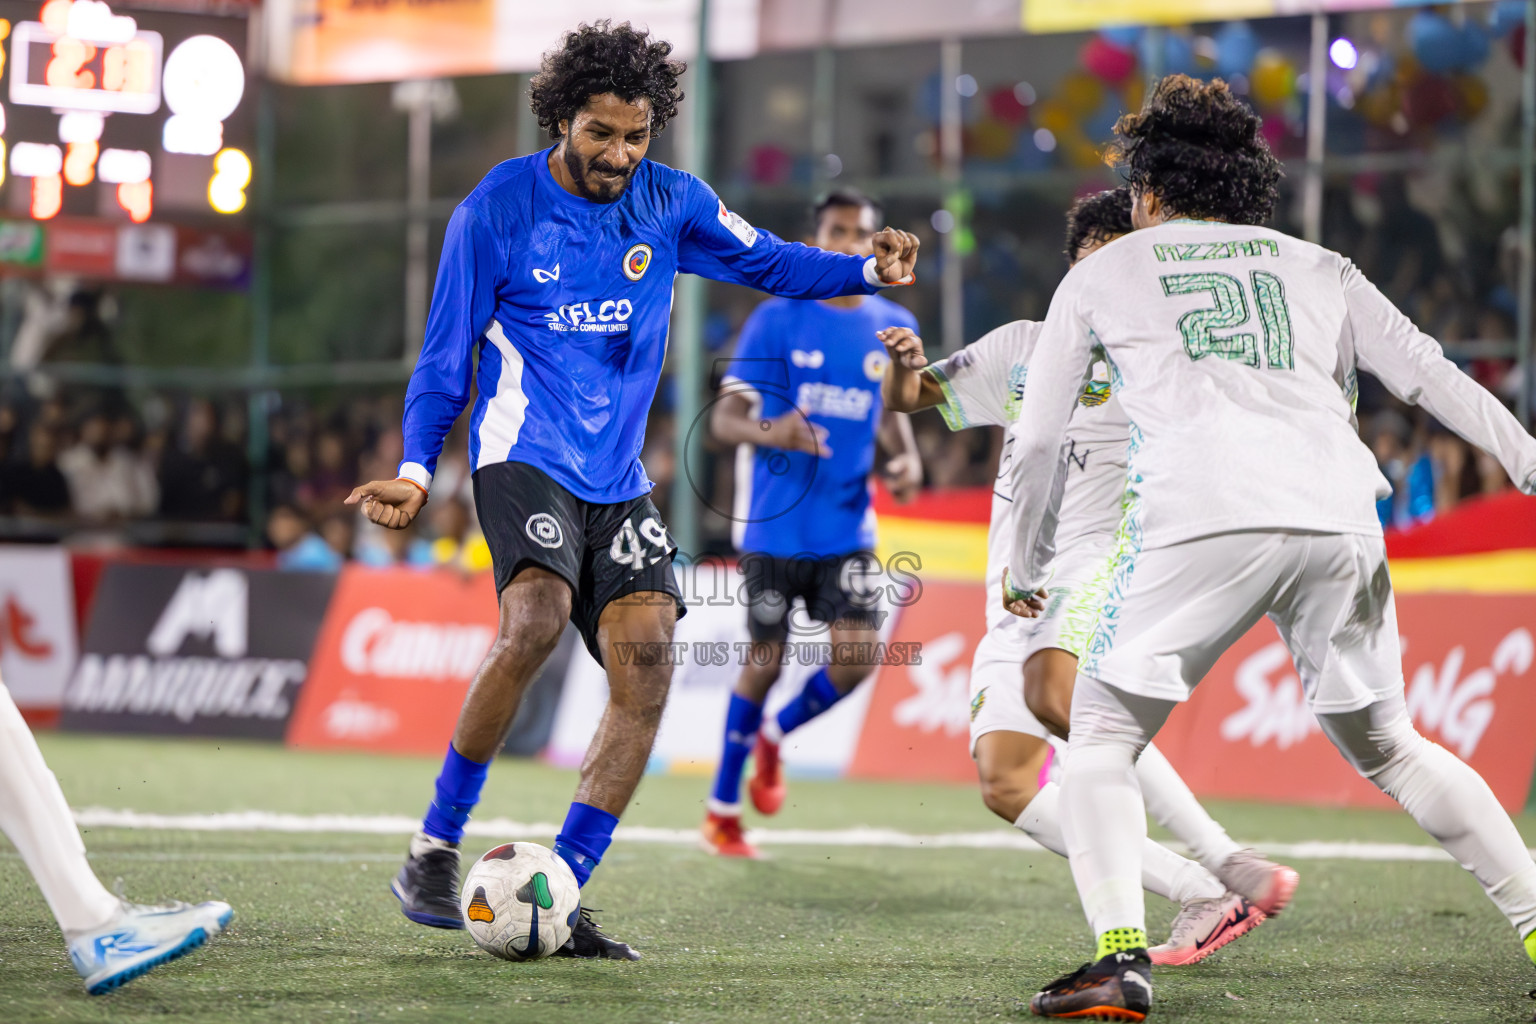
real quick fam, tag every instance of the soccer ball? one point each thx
(520, 902)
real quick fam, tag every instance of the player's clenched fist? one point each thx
(903, 346)
(391, 503)
(895, 256)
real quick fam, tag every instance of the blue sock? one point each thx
(458, 790)
(742, 719)
(818, 695)
(584, 838)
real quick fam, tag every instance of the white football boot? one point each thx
(140, 938)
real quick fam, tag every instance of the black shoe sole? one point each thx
(422, 917)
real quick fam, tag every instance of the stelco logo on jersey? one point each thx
(608, 316)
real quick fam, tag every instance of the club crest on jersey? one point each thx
(1095, 392)
(636, 261)
(875, 364)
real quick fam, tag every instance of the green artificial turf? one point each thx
(817, 933)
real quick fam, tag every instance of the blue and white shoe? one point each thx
(140, 938)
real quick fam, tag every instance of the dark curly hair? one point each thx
(603, 57)
(1197, 148)
(1101, 217)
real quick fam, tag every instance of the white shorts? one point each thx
(1079, 582)
(997, 684)
(1171, 612)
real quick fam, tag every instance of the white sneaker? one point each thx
(139, 938)
(1204, 926)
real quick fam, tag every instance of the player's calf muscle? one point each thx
(534, 609)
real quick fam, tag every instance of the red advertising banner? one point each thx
(394, 659)
(918, 724)
(1469, 662)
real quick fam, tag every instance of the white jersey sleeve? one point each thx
(1414, 368)
(1062, 362)
(982, 382)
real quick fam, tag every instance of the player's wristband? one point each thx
(872, 277)
(405, 479)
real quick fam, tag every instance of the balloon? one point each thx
(1054, 116)
(1106, 61)
(1128, 37)
(990, 140)
(1236, 47)
(1273, 80)
(1083, 154)
(1435, 42)
(1507, 16)
(769, 165)
(1430, 100)
(1080, 93)
(1134, 92)
(1471, 96)
(1003, 105)
(1101, 125)
(1475, 45)
(1177, 56)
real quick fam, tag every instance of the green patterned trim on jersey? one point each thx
(1121, 566)
(1079, 607)
(1014, 398)
(951, 409)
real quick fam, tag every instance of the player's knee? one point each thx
(532, 621)
(1053, 709)
(1007, 792)
(846, 677)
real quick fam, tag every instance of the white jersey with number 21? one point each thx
(1233, 352)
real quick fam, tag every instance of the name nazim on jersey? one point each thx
(1184, 251)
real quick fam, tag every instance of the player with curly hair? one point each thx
(1023, 671)
(557, 273)
(1233, 350)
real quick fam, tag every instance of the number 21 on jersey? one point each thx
(1231, 311)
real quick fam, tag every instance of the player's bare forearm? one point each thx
(904, 471)
(731, 420)
(905, 388)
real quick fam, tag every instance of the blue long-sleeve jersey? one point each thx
(568, 302)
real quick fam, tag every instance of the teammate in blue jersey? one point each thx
(556, 278)
(803, 391)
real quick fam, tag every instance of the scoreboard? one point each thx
(123, 143)
(110, 118)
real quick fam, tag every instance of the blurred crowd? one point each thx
(106, 464)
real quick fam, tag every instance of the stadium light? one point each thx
(203, 79)
(1343, 54)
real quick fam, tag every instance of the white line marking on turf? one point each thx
(504, 828)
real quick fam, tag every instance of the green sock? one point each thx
(1530, 946)
(1118, 939)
